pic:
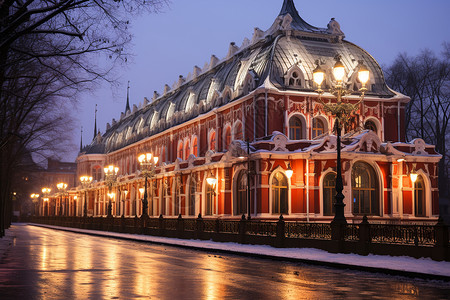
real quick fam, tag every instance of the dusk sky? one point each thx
(188, 32)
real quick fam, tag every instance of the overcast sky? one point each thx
(170, 44)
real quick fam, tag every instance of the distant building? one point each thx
(263, 92)
(58, 202)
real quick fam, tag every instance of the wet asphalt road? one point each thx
(48, 264)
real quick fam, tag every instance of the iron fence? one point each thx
(423, 235)
(308, 230)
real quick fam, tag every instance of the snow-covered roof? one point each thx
(290, 44)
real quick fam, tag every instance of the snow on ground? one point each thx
(396, 263)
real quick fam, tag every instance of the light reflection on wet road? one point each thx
(49, 264)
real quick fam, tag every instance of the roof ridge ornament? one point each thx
(334, 28)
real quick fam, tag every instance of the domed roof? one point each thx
(290, 49)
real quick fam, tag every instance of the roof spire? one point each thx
(288, 7)
(81, 140)
(127, 107)
(297, 22)
(95, 121)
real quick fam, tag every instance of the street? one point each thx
(49, 264)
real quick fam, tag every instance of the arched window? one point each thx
(227, 138)
(195, 147)
(365, 190)
(419, 197)
(294, 80)
(187, 149)
(238, 135)
(180, 150)
(279, 194)
(241, 194)
(329, 191)
(318, 127)
(212, 141)
(370, 125)
(209, 205)
(191, 203)
(295, 128)
(294, 77)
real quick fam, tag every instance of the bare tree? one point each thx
(49, 52)
(426, 80)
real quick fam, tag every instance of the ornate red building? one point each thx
(263, 92)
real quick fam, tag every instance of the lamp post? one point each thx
(341, 111)
(212, 180)
(62, 189)
(74, 206)
(45, 191)
(248, 182)
(148, 171)
(110, 178)
(35, 200)
(85, 184)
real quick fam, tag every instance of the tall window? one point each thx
(97, 173)
(295, 128)
(371, 126)
(163, 155)
(238, 135)
(194, 147)
(227, 139)
(279, 194)
(165, 195)
(178, 184)
(318, 127)
(186, 150)
(191, 208)
(419, 197)
(212, 141)
(209, 205)
(180, 150)
(365, 190)
(329, 184)
(241, 195)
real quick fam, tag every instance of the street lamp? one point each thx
(46, 191)
(110, 178)
(342, 112)
(148, 171)
(85, 184)
(211, 180)
(61, 188)
(35, 200)
(289, 171)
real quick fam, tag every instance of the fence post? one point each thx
(280, 237)
(338, 231)
(217, 226)
(137, 225)
(364, 236)
(242, 230)
(180, 226)
(161, 226)
(199, 227)
(441, 247)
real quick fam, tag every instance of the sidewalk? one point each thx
(394, 265)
